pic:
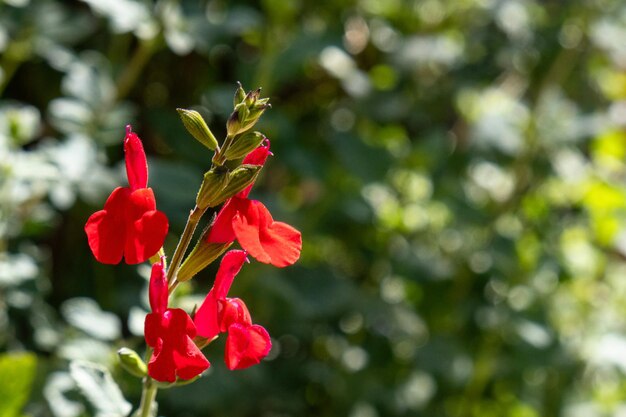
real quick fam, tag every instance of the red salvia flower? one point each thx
(251, 223)
(129, 225)
(246, 343)
(170, 332)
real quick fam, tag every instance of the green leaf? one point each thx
(17, 371)
(100, 390)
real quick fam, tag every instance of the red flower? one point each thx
(251, 223)
(170, 332)
(247, 343)
(130, 225)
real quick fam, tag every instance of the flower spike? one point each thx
(207, 316)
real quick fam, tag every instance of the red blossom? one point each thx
(246, 343)
(170, 331)
(251, 223)
(129, 226)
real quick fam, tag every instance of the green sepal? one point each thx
(238, 179)
(243, 144)
(202, 255)
(212, 186)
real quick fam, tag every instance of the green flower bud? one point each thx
(242, 145)
(248, 110)
(240, 94)
(252, 97)
(131, 362)
(238, 179)
(236, 120)
(202, 255)
(195, 124)
(212, 186)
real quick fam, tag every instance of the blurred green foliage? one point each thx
(456, 169)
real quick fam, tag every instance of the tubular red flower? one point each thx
(170, 332)
(129, 226)
(251, 223)
(206, 318)
(247, 343)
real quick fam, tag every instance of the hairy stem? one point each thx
(192, 222)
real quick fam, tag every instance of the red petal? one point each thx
(256, 157)
(189, 361)
(259, 155)
(158, 290)
(282, 243)
(229, 267)
(105, 228)
(152, 328)
(246, 346)
(136, 163)
(206, 317)
(146, 237)
(141, 200)
(222, 229)
(161, 365)
(175, 353)
(233, 310)
(268, 241)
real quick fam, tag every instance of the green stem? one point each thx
(219, 157)
(148, 395)
(192, 222)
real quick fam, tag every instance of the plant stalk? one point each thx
(148, 396)
(192, 222)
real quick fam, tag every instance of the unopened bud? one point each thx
(256, 112)
(236, 120)
(131, 362)
(212, 185)
(252, 97)
(238, 179)
(240, 94)
(195, 124)
(200, 257)
(243, 145)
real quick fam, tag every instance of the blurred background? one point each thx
(456, 169)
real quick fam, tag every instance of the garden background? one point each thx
(456, 168)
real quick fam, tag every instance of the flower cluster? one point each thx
(131, 228)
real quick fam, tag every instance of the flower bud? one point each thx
(212, 185)
(252, 97)
(240, 94)
(195, 124)
(131, 362)
(233, 125)
(238, 179)
(248, 110)
(200, 257)
(243, 145)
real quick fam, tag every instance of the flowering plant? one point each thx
(131, 228)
